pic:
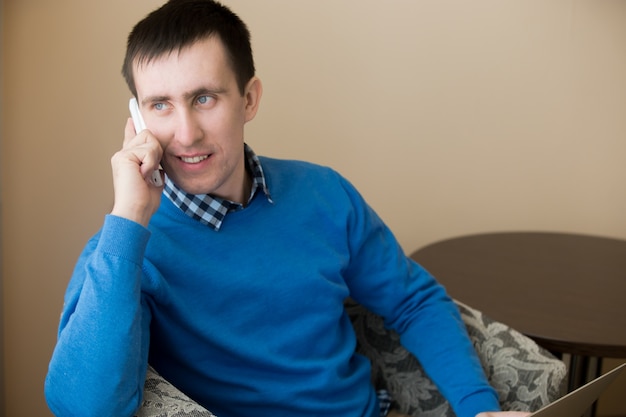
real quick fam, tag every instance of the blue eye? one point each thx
(159, 106)
(204, 99)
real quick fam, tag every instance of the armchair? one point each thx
(526, 376)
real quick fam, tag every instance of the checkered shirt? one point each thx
(211, 210)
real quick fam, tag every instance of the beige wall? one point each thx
(452, 117)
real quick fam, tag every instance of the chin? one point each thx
(193, 187)
(197, 190)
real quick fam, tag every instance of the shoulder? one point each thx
(281, 172)
(310, 184)
(274, 166)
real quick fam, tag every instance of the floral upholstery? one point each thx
(162, 399)
(525, 376)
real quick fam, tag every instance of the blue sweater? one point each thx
(249, 321)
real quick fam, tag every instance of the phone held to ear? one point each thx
(140, 125)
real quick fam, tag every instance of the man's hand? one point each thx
(395, 413)
(504, 414)
(136, 197)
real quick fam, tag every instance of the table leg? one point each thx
(583, 369)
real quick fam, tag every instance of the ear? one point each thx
(252, 97)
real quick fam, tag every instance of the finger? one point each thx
(129, 130)
(140, 161)
(132, 140)
(150, 163)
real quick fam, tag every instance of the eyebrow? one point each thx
(188, 95)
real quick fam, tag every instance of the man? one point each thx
(230, 280)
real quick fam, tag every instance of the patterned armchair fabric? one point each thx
(162, 399)
(525, 376)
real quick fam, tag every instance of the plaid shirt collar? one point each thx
(211, 210)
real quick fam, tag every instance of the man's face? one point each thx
(191, 102)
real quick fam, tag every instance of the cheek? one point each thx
(233, 116)
(228, 128)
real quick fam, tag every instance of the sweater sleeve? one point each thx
(384, 280)
(99, 363)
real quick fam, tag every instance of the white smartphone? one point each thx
(140, 125)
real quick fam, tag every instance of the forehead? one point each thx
(203, 63)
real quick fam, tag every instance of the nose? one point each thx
(188, 129)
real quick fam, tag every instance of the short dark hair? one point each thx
(180, 23)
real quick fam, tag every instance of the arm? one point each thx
(386, 282)
(99, 363)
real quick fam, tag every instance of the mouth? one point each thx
(193, 159)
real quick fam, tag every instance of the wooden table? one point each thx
(565, 291)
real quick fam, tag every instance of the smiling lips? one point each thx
(193, 159)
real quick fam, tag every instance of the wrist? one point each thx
(135, 213)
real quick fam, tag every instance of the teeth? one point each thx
(193, 159)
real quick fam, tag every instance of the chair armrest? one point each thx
(162, 399)
(525, 376)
